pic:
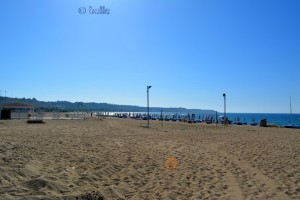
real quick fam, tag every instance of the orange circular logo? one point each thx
(171, 163)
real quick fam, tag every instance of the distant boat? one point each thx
(291, 125)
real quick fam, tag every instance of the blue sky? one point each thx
(191, 52)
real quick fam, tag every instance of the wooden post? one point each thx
(162, 123)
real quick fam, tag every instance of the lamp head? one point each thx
(149, 86)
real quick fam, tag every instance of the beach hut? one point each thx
(18, 108)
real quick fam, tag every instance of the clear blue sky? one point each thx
(191, 52)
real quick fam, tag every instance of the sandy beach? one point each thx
(113, 158)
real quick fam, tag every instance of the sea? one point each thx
(272, 118)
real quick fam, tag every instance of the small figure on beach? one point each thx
(264, 123)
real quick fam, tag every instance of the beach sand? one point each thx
(122, 159)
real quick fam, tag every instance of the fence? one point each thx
(56, 115)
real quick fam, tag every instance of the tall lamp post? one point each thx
(148, 87)
(224, 95)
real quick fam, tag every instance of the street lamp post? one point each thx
(148, 87)
(224, 95)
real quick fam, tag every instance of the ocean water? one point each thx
(274, 119)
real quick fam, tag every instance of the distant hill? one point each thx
(92, 106)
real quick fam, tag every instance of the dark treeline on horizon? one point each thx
(66, 106)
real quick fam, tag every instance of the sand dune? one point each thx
(121, 159)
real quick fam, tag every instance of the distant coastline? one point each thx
(66, 106)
